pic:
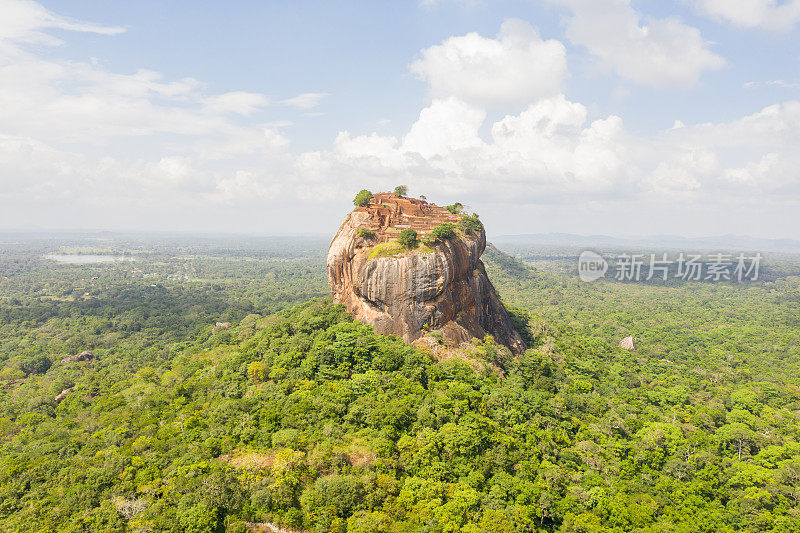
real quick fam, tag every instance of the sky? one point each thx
(615, 117)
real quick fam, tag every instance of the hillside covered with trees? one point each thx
(227, 391)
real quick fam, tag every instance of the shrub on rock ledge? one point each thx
(455, 208)
(408, 238)
(470, 225)
(443, 231)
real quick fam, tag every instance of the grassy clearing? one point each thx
(393, 248)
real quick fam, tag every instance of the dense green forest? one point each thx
(228, 393)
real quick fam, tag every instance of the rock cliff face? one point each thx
(440, 286)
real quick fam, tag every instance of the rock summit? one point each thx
(436, 283)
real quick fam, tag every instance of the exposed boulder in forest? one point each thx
(270, 527)
(628, 343)
(83, 356)
(435, 284)
(64, 393)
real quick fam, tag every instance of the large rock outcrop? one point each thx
(440, 286)
(83, 356)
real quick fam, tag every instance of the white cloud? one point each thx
(764, 14)
(372, 145)
(82, 102)
(74, 132)
(514, 69)
(446, 126)
(550, 153)
(546, 152)
(553, 137)
(31, 168)
(428, 4)
(771, 83)
(81, 141)
(174, 169)
(24, 20)
(656, 52)
(305, 100)
(753, 157)
(240, 102)
(246, 185)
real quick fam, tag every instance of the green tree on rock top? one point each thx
(408, 238)
(362, 198)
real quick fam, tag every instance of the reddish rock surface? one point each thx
(444, 289)
(389, 214)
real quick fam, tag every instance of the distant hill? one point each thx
(729, 242)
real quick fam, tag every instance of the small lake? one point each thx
(87, 259)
